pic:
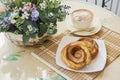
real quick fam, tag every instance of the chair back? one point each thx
(112, 5)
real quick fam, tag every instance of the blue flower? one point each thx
(7, 20)
(34, 15)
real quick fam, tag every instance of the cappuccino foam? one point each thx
(82, 15)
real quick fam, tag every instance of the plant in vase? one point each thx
(32, 18)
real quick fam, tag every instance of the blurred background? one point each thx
(112, 5)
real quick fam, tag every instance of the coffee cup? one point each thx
(82, 18)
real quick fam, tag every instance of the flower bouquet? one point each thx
(31, 19)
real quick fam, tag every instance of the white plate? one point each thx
(95, 23)
(97, 64)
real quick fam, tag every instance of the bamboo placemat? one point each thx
(112, 41)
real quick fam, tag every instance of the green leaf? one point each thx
(51, 31)
(11, 57)
(18, 3)
(25, 24)
(57, 4)
(33, 35)
(58, 77)
(4, 14)
(43, 79)
(28, 22)
(42, 29)
(25, 38)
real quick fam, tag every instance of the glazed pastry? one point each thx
(78, 54)
(91, 45)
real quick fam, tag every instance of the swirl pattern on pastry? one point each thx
(80, 53)
(91, 45)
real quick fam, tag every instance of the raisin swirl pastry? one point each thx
(78, 54)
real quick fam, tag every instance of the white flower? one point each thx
(30, 27)
(20, 8)
(25, 15)
(51, 25)
(43, 5)
(50, 14)
(27, 32)
(23, 10)
(13, 15)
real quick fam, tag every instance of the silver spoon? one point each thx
(87, 30)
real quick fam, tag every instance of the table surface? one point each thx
(17, 63)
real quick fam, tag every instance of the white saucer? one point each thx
(95, 23)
